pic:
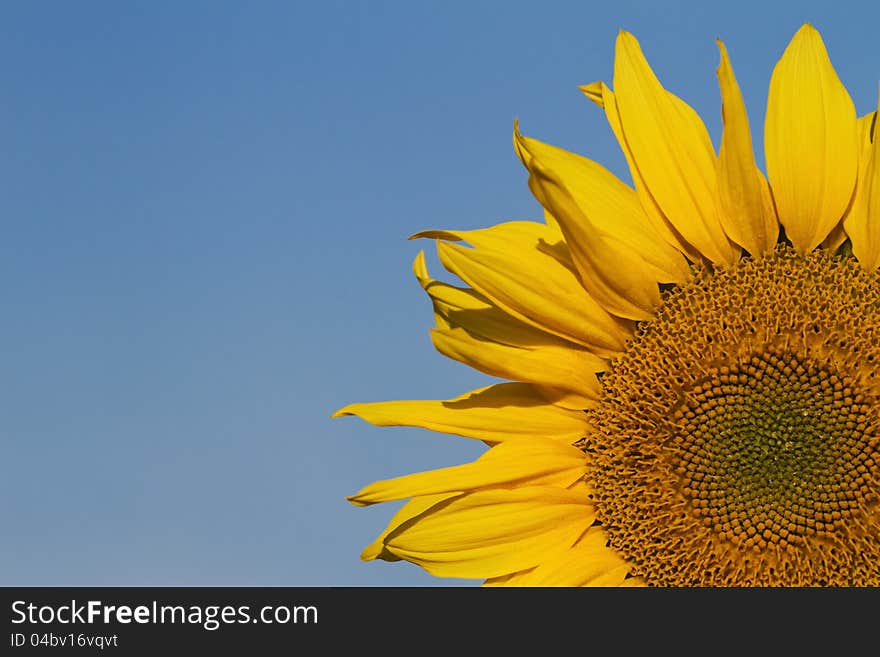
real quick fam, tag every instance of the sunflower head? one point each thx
(692, 360)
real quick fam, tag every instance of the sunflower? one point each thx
(692, 361)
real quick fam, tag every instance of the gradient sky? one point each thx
(204, 216)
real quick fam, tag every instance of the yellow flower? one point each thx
(693, 362)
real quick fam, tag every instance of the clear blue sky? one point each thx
(204, 215)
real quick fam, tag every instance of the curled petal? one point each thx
(493, 532)
(862, 223)
(672, 150)
(521, 267)
(746, 206)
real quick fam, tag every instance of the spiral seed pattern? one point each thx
(737, 439)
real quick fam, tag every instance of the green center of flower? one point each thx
(772, 450)
(737, 439)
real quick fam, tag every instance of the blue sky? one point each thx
(204, 217)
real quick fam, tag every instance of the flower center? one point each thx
(737, 439)
(772, 450)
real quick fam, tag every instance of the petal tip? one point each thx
(517, 135)
(371, 552)
(595, 92)
(808, 28)
(420, 266)
(807, 32)
(724, 61)
(621, 38)
(627, 41)
(355, 500)
(447, 235)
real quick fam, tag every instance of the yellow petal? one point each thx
(746, 207)
(492, 533)
(835, 238)
(413, 508)
(449, 298)
(611, 206)
(569, 368)
(472, 331)
(862, 223)
(866, 126)
(587, 563)
(602, 95)
(534, 462)
(565, 398)
(496, 413)
(810, 141)
(595, 91)
(611, 271)
(672, 150)
(551, 222)
(456, 307)
(513, 266)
